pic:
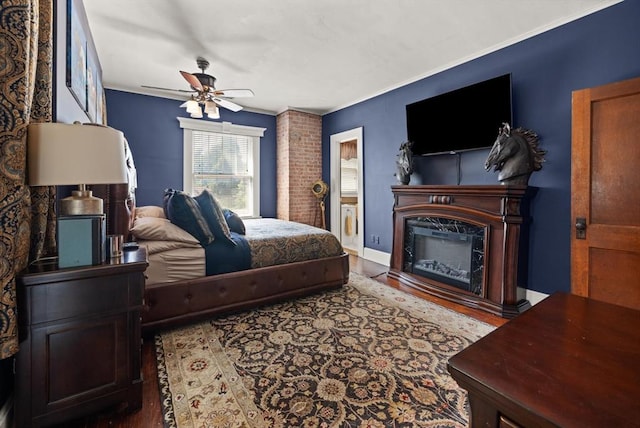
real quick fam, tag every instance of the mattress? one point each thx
(174, 265)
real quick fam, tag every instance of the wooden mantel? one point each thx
(497, 209)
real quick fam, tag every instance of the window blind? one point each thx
(222, 163)
(220, 154)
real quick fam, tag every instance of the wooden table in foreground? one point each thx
(567, 362)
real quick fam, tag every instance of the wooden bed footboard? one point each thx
(177, 303)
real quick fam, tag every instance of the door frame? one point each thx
(598, 190)
(335, 140)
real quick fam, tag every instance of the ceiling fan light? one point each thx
(215, 114)
(209, 106)
(192, 106)
(197, 114)
(187, 103)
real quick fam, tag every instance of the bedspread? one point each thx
(275, 242)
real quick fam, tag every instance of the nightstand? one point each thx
(79, 331)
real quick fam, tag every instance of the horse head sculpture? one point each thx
(515, 154)
(404, 163)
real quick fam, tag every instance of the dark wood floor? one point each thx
(151, 415)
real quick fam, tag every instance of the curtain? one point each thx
(27, 218)
(348, 150)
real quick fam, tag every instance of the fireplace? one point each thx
(462, 243)
(447, 250)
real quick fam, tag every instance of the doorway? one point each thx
(347, 200)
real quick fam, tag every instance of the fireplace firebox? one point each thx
(462, 243)
(447, 250)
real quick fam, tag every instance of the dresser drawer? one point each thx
(77, 298)
(507, 423)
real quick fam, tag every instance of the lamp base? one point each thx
(81, 202)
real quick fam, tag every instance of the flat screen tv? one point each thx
(464, 119)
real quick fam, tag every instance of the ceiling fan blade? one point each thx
(227, 104)
(193, 81)
(233, 93)
(165, 89)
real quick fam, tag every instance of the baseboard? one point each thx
(377, 256)
(6, 413)
(534, 296)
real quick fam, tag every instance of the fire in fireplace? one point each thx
(446, 250)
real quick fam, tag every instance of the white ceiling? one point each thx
(316, 56)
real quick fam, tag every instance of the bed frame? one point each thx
(177, 303)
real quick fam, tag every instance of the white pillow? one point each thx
(160, 229)
(150, 211)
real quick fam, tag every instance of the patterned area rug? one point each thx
(365, 355)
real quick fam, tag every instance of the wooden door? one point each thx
(605, 193)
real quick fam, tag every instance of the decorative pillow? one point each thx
(212, 211)
(150, 211)
(165, 200)
(184, 211)
(160, 229)
(234, 221)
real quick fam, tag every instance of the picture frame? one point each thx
(92, 87)
(83, 74)
(76, 76)
(100, 119)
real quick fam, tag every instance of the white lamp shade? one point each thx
(192, 106)
(211, 109)
(66, 154)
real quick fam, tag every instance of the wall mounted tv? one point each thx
(464, 119)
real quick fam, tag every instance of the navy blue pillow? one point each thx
(212, 212)
(234, 221)
(184, 211)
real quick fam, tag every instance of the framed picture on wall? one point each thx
(76, 54)
(100, 102)
(92, 87)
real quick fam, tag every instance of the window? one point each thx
(224, 158)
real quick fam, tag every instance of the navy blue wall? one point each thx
(155, 138)
(594, 50)
(597, 49)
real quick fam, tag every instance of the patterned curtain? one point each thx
(27, 218)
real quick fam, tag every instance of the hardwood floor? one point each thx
(151, 413)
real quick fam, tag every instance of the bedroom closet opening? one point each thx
(346, 200)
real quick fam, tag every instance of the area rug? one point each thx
(365, 355)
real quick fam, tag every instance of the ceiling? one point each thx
(314, 56)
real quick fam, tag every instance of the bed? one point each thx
(173, 299)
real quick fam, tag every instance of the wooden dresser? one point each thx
(567, 362)
(79, 339)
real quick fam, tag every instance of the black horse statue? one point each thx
(515, 154)
(404, 163)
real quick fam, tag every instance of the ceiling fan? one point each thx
(203, 92)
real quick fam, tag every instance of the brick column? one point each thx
(299, 163)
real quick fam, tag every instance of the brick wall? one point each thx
(299, 163)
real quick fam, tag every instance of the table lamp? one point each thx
(75, 154)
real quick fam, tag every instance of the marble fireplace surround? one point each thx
(501, 211)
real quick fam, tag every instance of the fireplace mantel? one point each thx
(500, 211)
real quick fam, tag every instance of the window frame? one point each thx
(252, 132)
